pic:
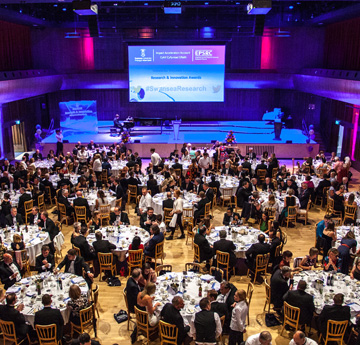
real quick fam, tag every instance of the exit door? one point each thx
(18, 138)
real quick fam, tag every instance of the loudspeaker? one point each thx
(259, 23)
(288, 142)
(93, 26)
(137, 141)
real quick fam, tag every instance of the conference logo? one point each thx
(142, 52)
(203, 52)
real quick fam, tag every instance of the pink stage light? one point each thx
(266, 61)
(87, 53)
(355, 122)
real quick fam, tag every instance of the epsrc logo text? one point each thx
(203, 52)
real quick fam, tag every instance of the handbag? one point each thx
(121, 316)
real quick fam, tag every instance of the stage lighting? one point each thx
(259, 7)
(85, 8)
(172, 7)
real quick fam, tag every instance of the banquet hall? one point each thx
(179, 163)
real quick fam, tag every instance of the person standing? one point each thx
(238, 318)
(155, 160)
(176, 214)
(59, 143)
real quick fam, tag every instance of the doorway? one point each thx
(18, 138)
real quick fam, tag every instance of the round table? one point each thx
(14, 196)
(264, 196)
(116, 166)
(323, 294)
(165, 292)
(157, 200)
(341, 231)
(91, 197)
(54, 179)
(144, 179)
(26, 292)
(225, 182)
(242, 236)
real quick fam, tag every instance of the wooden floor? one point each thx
(300, 239)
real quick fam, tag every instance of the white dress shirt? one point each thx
(83, 156)
(218, 329)
(254, 340)
(145, 202)
(222, 298)
(155, 159)
(308, 341)
(238, 317)
(14, 269)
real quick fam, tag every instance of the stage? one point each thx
(256, 134)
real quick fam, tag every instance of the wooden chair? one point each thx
(28, 205)
(104, 213)
(78, 253)
(330, 208)
(48, 195)
(267, 296)
(190, 234)
(95, 299)
(322, 198)
(335, 331)
(159, 254)
(80, 213)
(118, 202)
(168, 333)
(196, 253)
(167, 217)
(222, 321)
(274, 173)
(63, 215)
(130, 317)
(271, 212)
(304, 213)
(166, 268)
(25, 261)
(207, 210)
(350, 212)
(41, 203)
(132, 192)
(215, 195)
(104, 176)
(135, 259)
(214, 271)
(291, 217)
(223, 260)
(261, 265)
(86, 321)
(291, 317)
(8, 333)
(233, 203)
(142, 323)
(188, 216)
(47, 334)
(249, 294)
(226, 195)
(106, 263)
(192, 266)
(261, 174)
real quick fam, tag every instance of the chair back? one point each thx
(132, 190)
(106, 259)
(227, 193)
(267, 292)
(8, 331)
(207, 210)
(159, 251)
(167, 217)
(222, 259)
(278, 250)
(330, 205)
(126, 301)
(336, 330)
(135, 258)
(80, 213)
(192, 266)
(262, 261)
(118, 202)
(350, 211)
(28, 205)
(274, 172)
(78, 252)
(168, 332)
(249, 292)
(62, 210)
(86, 317)
(142, 320)
(24, 256)
(297, 261)
(41, 202)
(217, 273)
(188, 216)
(292, 213)
(104, 212)
(261, 173)
(46, 334)
(95, 295)
(271, 212)
(104, 176)
(165, 268)
(291, 315)
(196, 253)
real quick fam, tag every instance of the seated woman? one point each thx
(76, 231)
(347, 247)
(145, 299)
(350, 201)
(148, 275)
(264, 222)
(271, 203)
(309, 261)
(193, 169)
(76, 303)
(329, 235)
(82, 184)
(51, 155)
(355, 272)
(17, 243)
(286, 259)
(186, 156)
(276, 226)
(290, 200)
(5, 209)
(101, 199)
(136, 244)
(332, 261)
(95, 221)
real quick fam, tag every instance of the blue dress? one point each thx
(344, 253)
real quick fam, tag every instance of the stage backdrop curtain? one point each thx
(342, 45)
(15, 47)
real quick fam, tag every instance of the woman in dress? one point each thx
(82, 184)
(350, 201)
(348, 243)
(101, 199)
(5, 209)
(77, 302)
(271, 203)
(148, 275)
(136, 244)
(186, 156)
(193, 169)
(309, 261)
(355, 272)
(95, 221)
(264, 222)
(17, 243)
(289, 201)
(145, 299)
(329, 235)
(176, 214)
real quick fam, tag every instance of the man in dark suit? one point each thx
(200, 206)
(187, 185)
(177, 165)
(215, 184)
(49, 226)
(84, 246)
(38, 184)
(279, 286)
(261, 166)
(75, 265)
(156, 238)
(171, 314)
(251, 154)
(103, 246)
(198, 187)
(227, 292)
(63, 199)
(147, 218)
(169, 202)
(267, 185)
(91, 145)
(300, 299)
(34, 216)
(8, 312)
(80, 201)
(292, 185)
(119, 217)
(322, 184)
(219, 307)
(46, 182)
(275, 242)
(246, 164)
(304, 195)
(132, 289)
(242, 194)
(336, 312)
(256, 249)
(14, 219)
(45, 261)
(209, 193)
(229, 217)
(9, 271)
(48, 316)
(227, 170)
(226, 246)
(7, 166)
(23, 198)
(117, 189)
(133, 181)
(206, 252)
(64, 181)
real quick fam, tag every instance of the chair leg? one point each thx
(282, 329)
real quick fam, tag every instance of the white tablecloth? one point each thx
(91, 197)
(158, 199)
(264, 196)
(225, 182)
(27, 288)
(54, 179)
(341, 231)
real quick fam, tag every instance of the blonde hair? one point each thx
(149, 289)
(17, 238)
(242, 295)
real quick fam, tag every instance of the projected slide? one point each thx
(176, 73)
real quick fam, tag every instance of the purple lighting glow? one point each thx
(87, 50)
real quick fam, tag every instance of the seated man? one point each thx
(206, 251)
(45, 261)
(75, 264)
(304, 195)
(156, 237)
(243, 194)
(171, 314)
(219, 307)
(23, 198)
(46, 224)
(132, 289)
(8, 312)
(168, 202)
(34, 216)
(118, 218)
(226, 246)
(9, 271)
(49, 316)
(14, 219)
(187, 184)
(300, 338)
(80, 201)
(145, 201)
(86, 250)
(279, 286)
(226, 295)
(103, 246)
(263, 338)
(267, 185)
(200, 206)
(63, 199)
(147, 219)
(230, 217)
(227, 170)
(256, 249)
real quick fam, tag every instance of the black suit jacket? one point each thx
(261, 166)
(242, 195)
(32, 217)
(189, 187)
(226, 246)
(24, 197)
(168, 203)
(5, 273)
(210, 195)
(150, 248)
(220, 308)
(9, 313)
(49, 227)
(177, 166)
(333, 312)
(132, 181)
(132, 291)
(124, 218)
(254, 250)
(172, 316)
(49, 316)
(143, 219)
(304, 198)
(79, 265)
(247, 165)
(9, 219)
(206, 252)
(265, 186)
(119, 192)
(279, 287)
(38, 263)
(302, 300)
(84, 246)
(103, 246)
(201, 206)
(82, 202)
(322, 184)
(230, 172)
(226, 220)
(47, 183)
